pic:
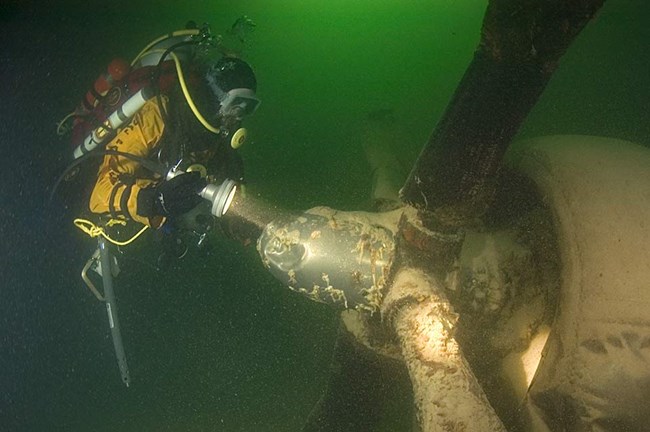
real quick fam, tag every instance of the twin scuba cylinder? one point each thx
(116, 71)
(124, 88)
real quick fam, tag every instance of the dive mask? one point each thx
(238, 103)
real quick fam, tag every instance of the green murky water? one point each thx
(216, 344)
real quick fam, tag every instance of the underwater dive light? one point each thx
(220, 196)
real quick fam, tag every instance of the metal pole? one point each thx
(111, 309)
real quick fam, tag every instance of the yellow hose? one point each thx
(186, 93)
(188, 97)
(95, 231)
(179, 72)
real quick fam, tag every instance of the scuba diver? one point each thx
(173, 134)
(163, 131)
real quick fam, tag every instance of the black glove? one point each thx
(173, 197)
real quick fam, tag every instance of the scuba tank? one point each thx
(117, 69)
(96, 101)
(120, 92)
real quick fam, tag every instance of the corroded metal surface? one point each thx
(331, 256)
(447, 395)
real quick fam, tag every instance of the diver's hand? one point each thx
(173, 197)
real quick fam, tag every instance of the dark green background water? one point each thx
(215, 343)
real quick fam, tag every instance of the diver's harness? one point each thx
(103, 262)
